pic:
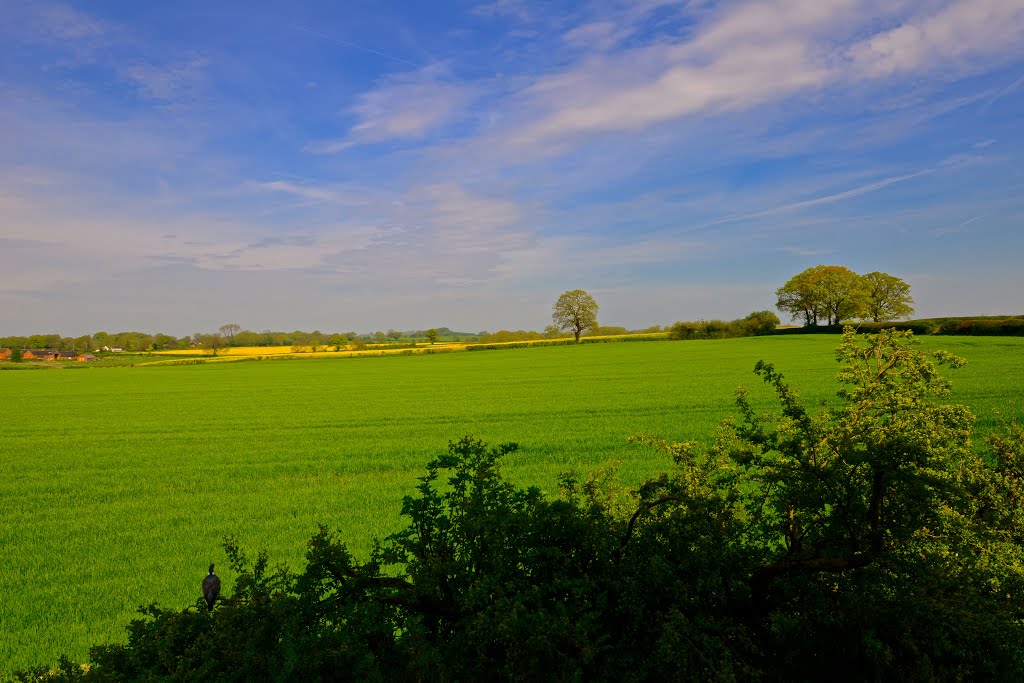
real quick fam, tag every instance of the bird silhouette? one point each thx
(211, 589)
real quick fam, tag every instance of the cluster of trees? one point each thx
(868, 539)
(130, 341)
(834, 294)
(756, 324)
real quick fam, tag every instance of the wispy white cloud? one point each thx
(742, 56)
(403, 107)
(82, 39)
(597, 35)
(467, 223)
(517, 9)
(957, 34)
(314, 192)
(733, 81)
(63, 27)
(735, 60)
(166, 82)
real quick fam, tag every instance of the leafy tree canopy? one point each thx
(888, 298)
(833, 294)
(576, 311)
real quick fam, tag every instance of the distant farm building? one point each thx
(113, 349)
(85, 358)
(51, 354)
(40, 354)
(5, 354)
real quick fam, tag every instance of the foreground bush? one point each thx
(865, 541)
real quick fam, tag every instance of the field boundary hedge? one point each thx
(990, 326)
(497, 346)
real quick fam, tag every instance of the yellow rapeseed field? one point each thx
(243, 352)
(233, 353)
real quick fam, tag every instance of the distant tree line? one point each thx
(228, 335)
(129, 341)
(315, 340)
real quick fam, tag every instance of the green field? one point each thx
(122, 482)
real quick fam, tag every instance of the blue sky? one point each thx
(371, 165)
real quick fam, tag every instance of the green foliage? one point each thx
(505, 336)
(607, 330)
(888, 298)
(576, 311)
(983, 326)
(760, 323)
(704, 329)
(823, 294)
(867, 537)
(868, 513)
(337, 341)
(830, 295)
(755, 324)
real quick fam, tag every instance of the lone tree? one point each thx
(575, 310)
(212, 342)
(432, 335)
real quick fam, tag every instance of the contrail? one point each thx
(356, 46)
(827, 199)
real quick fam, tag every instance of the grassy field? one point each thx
(121, 483)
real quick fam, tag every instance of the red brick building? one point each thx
(40, 354)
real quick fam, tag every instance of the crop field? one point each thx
(120, 484)
(253, 352)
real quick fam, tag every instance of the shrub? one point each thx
(760, 323)
(756, 323)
